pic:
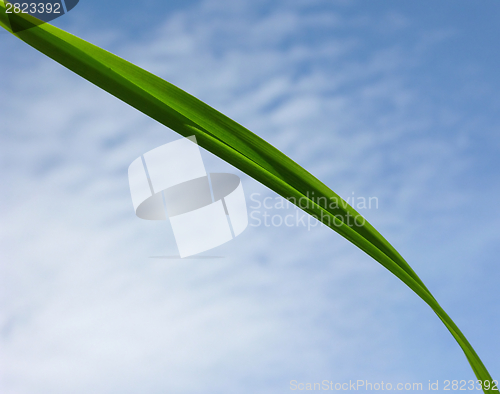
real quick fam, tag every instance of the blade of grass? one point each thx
(232, 142)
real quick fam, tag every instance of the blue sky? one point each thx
(393, 100)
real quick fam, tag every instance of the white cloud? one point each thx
(85, 308)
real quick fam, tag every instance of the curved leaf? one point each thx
(233, 143)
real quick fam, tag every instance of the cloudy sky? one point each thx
(386, 99)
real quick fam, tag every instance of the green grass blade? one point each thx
(233, 143)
